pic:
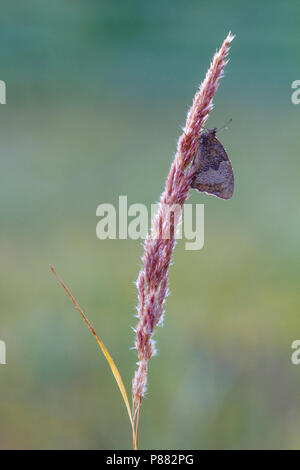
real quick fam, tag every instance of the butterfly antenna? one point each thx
(225, 127)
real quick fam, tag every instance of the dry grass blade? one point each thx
(108, 357)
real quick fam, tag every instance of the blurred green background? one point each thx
(97, 93)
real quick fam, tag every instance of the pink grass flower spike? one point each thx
(152, 282)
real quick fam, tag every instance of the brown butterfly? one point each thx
(213, 170)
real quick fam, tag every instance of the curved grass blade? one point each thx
(108, 357)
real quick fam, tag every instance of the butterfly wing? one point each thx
(213, 170)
